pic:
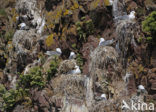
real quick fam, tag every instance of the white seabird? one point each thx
(111, 2)
(103, 96)
(72, 55)
(58, 52)
(106, 42)
(22, 26)
(132, 15)
(141, 89)
(75, 71)
(101, 41)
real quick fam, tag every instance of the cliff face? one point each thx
(37, 78)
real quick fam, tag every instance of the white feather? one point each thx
(101, 41)
(22, 25)
(75, 71)
(58, 50)
(132, 15)
(103, 96)
(111, 2)
(72, 55)
(141, 87)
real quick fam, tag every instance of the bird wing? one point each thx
(107, 42)
(52, 53)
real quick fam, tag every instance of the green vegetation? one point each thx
(53, 68)
(50, 40)
(79, 61)
(3, 13)
(9, 35)
(149, 27)
(33, 79)
(11, 97)
(84, 28)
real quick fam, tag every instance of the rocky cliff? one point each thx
(77, 55)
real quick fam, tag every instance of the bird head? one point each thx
(103, 96)
(22, 25)
(72, 53)
(102, 39)
(59, 50)
(76, 67)
(132, 12)
(141, 87)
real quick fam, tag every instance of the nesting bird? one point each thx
(132, 15)
(23, 26)
(75, 71)
(141, 89)
(111, 2)
(72, 55)
(101, 41)
(104, 42)
(103, 96)
(58, 52)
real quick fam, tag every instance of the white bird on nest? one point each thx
(111, 2)
(58, 52)
(101, 41)
(105, 42)
(22, 26)
(75, 71)
(132, 15)
(72, 55)
(141, 87)
(103, 96)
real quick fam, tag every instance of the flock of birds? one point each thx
(141, 89)
(102, 42)
(58, 52)
(72, 55)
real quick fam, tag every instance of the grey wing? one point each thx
(107, 42)
(50, 53)
(72, 57)
(124, 17)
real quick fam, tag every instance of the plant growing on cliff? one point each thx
(79, 60)
(11, 97)
(53, 68)
(3, 13)
(50, 40)
(33, 79)
(149, 27)
(84, 28)
(9, 35)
